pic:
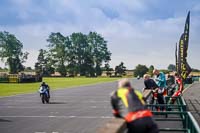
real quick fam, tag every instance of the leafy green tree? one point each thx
(78, 53)
(28, 69)
(164, 71)
(39, 65)
(4, 69)
(108, 69)
(171, 67)
(72, 67)
(81, 52)
(88, 66)
(195, 70)
(59, 51)
(43, 66)
(11, 51)
(140, 70)
(150, 71)
(120, 69)
(99, 51)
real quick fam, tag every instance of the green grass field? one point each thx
(7, 89)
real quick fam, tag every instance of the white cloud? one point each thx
(21, 3)
(150, 43)
(32, 57)
(196, 7)
(131, 38)
(146, 43)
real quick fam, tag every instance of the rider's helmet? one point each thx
(124, 83)
(43, 83)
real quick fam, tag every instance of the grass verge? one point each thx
(8, 89)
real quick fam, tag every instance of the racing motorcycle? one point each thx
(44, 95)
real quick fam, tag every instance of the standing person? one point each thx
(161, 82)
(160, 78)
(128, 103)
(179, 88)
(150, 84)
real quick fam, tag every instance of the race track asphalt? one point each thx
(75, 110)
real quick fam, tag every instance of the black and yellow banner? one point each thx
(176, 58)
(183, 67)
(181, 63)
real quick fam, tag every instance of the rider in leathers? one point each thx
(128, 103)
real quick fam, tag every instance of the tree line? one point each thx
(75, 54)
(78, 53)
(11, 52)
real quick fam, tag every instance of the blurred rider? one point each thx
(46, 86)
(128, 103)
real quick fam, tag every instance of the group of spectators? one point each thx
(129, 104)
(159, 87)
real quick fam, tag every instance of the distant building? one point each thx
(56, 74)
(128, 73)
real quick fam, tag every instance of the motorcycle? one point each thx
(44, 94)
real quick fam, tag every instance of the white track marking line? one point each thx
(51, 116)
(49, 107)
(63, 101)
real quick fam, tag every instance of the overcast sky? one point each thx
(137, 31)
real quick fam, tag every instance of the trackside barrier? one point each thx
(17, 78)
(195, 78)
(118, 125)
(180, 104)
(192, 124)
(189, 123)
(13, 78)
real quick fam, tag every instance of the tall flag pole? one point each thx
(183, 67)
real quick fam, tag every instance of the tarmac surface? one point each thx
(192, 98)
(75, 110)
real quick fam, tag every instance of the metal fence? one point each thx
(178, 113)
(15, 78)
